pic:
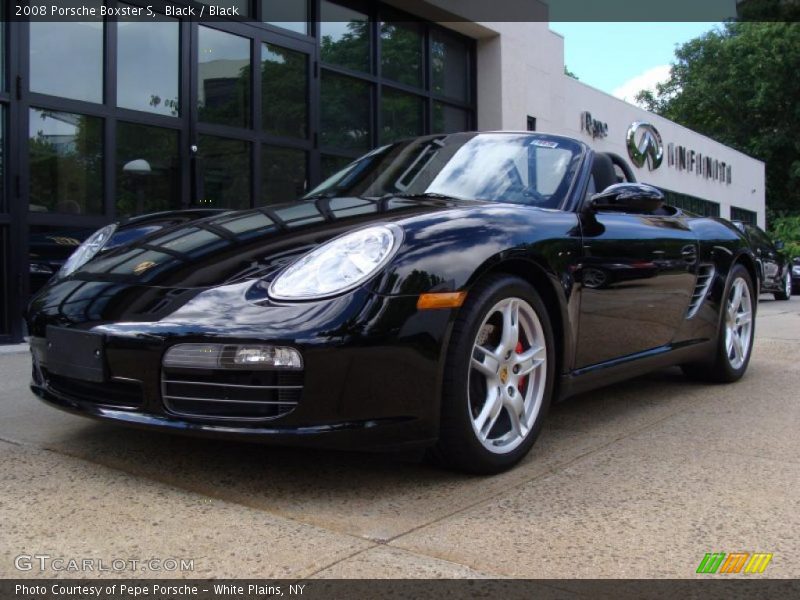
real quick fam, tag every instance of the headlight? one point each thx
(87, 250)
(796, 270)
(338, 265)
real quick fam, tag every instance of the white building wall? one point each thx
(746, 190)
(521, 72)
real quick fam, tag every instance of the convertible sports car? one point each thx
(439, 292)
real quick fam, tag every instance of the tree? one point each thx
(739, 84)
(569, 73)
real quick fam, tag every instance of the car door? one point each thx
(637, 274)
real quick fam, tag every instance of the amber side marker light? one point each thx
(442, 300)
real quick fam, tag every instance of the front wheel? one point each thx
(736, 332)
(498, 377)
(786, 292)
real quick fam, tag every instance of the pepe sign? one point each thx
(594, 127)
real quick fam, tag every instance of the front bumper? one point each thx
(375, 387)
(376, 434)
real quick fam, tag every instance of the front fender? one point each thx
(447, 252)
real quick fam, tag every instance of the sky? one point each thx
(624, 58)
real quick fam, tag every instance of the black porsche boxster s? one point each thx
(439, 292)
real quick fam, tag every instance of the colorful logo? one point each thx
(735, 562)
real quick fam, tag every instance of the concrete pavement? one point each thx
(640, 479)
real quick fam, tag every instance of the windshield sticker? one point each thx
(545, 143)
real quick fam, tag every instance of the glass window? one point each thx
(224, 165)
(345, 104)
(344, 36)
(283, 174)
(66, 162)
(2, 157)
(289, 15)
(66, 59)
(401, 53)
(231, 8)
(284, 76)
(2, 46)
(746, 216)
(148, 169)
(449, 119)
(4, 297)
(223, 76)
(148, 69)
(403, 115)
(449, 66)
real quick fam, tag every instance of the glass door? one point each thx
(11, 300)
(252, 118)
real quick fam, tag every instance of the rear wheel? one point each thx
(498, 377)
(736, 332)
(786, 292)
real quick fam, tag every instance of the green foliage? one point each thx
(66, 164)
(788, 230)
(569, 73)
(739, 84)
(283, 92)
(350, 50)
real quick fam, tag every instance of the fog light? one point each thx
(268, 355)
(228, 356)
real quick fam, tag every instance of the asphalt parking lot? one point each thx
(637, 480)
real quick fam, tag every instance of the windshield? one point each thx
(520, 168)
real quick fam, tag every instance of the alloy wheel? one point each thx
(738, 323)
(507, 376)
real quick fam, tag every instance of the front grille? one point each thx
(230, 394)
(115, 393)
(705, 276)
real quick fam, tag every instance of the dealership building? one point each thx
(111, 118)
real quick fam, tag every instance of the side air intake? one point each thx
(705, 276)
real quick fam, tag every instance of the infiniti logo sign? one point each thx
(644, 145)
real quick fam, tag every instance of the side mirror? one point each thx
(779, 245)
(628, 197)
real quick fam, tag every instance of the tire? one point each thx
(786, 284)
(730, 359)
(486, 381)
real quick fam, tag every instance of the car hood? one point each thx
(244, 244)
(217, 258)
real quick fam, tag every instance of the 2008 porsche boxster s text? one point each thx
(438, 292)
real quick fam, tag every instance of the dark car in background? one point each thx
(796, 275)
(774, 268)
(439, 292)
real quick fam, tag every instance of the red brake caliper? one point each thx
(522, 380)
